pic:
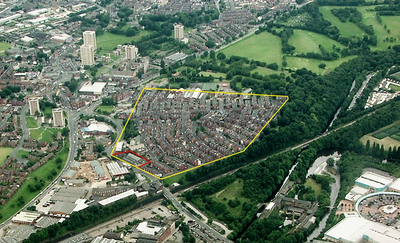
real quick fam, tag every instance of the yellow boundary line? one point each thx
(201, 91)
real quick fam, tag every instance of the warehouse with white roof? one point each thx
(116, 170)
(357, 229)
(93, 89)
(371, 180)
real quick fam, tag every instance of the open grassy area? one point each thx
(31, 122)
(43, 172)
(386, 136)
(263, 47)
(306, 41)
(22, 153)
(215, 75)
(394, 87)
(312, 64)
(265, 71)
(4, 46)
(315, 186)
(35, 133)
(173, 179)
(106, 108)
(232, 192)
(108, 41)
(4, 152)
(346, 29)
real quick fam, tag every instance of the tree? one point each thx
(221, 56)
(99, 148)
(330, 162)
(322, 65)
(210, 43)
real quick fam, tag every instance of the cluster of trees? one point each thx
(72, 85)
(392, 9)
(131, 31)
(108, 101)
(285, 34)
(353, 15)
(130, 130)
(325, 55)
(9, 92)
(187, 237)
(260, 182)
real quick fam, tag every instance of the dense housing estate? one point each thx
(184, 129)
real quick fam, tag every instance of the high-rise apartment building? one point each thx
(58, 117)
(178, 30)
(33, 105)
(89, 38)
(131, 52)
(87, 55)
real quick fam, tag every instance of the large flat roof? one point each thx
(26, 217)
(395, 185)
(95, 88)
(353, 229)
(117, 197)
(374, 180)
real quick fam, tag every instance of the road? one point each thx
(179, 207)
(25, 134)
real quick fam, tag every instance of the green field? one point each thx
(106, 108)
(395, 136)
(346, 29)
(44, 133)
(11, 207)
(215, 75)
(4, 152)
(312, 64)
(264, 47)
(108, 42)
(232, 192)
(22, 153)
(31, 122)
(394, 87)
(380, 135)
(265, 71)
(315, 186)
(173, 179)
(396, 75)
(4, 46)
(306, 41)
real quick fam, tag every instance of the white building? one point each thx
(34, 105)
(89, 38)
(357, 229)
(87, 55)
(131, 52)
(93, 89)
(58, 118)
(178, 30)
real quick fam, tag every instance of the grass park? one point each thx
(264, 47)
(44, 134)
(232, 192)
(108, 41)
(4, 152)
(31, 122)
(105, 108)
(44, 173)
(306, 41)
(315, 186)
(394, 87)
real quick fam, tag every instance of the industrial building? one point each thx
(373, 181)
(116, 170)
(93, 89)
(58, 117)
(87, 55)
(179, 31)
(62, 208)
(69, 174)
(25, 218)
(97, 169)
(395, 186)
(34, 105)
(131, 52)
(123, 195)
(357, 229)
(89, 38)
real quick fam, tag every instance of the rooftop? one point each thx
(96, 87)
(26, 217)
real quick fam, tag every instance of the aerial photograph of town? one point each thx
(168, 121)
